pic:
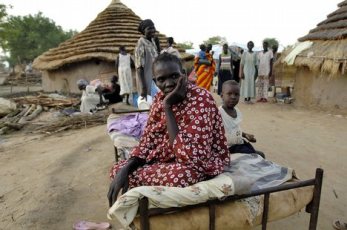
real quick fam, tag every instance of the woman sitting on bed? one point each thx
(184, 140)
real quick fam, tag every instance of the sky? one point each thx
(197, 20)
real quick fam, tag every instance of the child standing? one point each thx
(232, 118)
(123, 66)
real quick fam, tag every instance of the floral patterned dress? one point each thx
(198, 152)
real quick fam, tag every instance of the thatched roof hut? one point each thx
(320, 70)
(91, 53)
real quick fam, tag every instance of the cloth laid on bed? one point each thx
(125, 131)
(250, 172)
(130, 125)
(246, 172)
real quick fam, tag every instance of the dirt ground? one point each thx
(51, 182)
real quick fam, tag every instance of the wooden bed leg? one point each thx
(212, 213)
(115, 154)
(314, 205)
(144, 214)
(265, 211)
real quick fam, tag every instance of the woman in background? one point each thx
(146, 50)
(248, 71)
(205, 70)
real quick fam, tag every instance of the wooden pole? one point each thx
(316, 199)
(129, 111)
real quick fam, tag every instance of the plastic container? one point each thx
(144, 104)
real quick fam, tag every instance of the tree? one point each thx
(272, 42)
(215, 40)
(185, 45)
(3, 12)
(26, 37)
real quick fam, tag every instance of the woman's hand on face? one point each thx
(178, 94)
(119, 182)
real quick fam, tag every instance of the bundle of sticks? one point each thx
(72, 122)
(30, 107)
(46, 101)
(19, 117)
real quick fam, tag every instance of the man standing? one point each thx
(265, 59)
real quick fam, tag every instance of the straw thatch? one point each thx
(319, 72)
(113, 27)
(332, 28)
(328, 53)
(325, 56)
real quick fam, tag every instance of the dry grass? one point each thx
(332, 28)
(328, 57)
(115, 26)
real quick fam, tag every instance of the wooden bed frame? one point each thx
(312, 207)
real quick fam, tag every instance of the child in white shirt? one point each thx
(232, 118)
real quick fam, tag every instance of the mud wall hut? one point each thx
(91, 53)
(320, 69)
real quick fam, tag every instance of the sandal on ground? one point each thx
(88, 225)
(339, 225)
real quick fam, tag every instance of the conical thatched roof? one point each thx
(115, 26)
(328, 52)
(332, 28)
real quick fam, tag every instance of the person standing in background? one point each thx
(225, 67)
(170, 49)
(236, 63)
(146, 51)
(247, 73)
(124, 63)
(272, 79)
(265, 59)
(205, 70)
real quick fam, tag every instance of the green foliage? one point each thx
(215, 40)
(26, 37)
(3, 12)
(185, 45)
(3, 15)
(272, 42)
